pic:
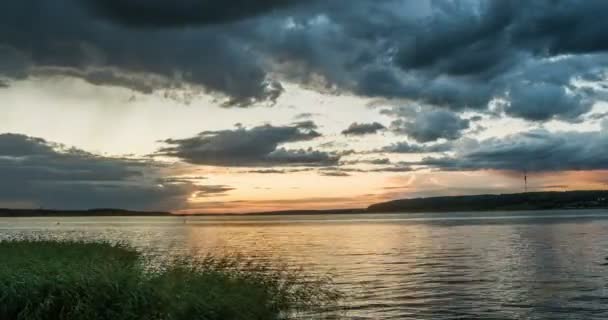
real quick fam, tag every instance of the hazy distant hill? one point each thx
(76, 213)
(515, 201)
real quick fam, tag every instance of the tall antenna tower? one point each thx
(525, 181)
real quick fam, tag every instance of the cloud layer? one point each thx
(242, 147)
(37, 173)
(427, 125)
(88, 40)
(529, 58)
(181, 13)
(536, 150)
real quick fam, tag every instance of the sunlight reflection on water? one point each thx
(521, 265)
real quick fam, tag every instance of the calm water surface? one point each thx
(521, 265)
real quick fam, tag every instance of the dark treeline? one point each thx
(515, 201)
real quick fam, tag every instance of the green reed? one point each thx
(47, 280)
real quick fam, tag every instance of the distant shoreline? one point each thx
(33, 213)
(530, 201)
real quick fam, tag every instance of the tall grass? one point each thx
(45, 280)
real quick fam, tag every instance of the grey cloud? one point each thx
(377, 161)
(458, 55)
(427, 125)
(452, 54)
(405, 147)
(50, 175)
(106, 76)
(542, 102)
(446, 92)
(18, 145)
(458, 39)
(359, 129)
(181, 13)
(493, 44)
(61, 36)
(380, 161)
(481, 35)
(567, 27)
(302, 157)
(211, 191)
(598, 116)
(537, 150)
(180, 179)
(258, 146)
(308, 124)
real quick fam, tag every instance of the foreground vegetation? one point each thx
(42, 280)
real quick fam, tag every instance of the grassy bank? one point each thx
(73, 280)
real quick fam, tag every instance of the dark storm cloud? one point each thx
(452, 54)
(482, 37)
(504, 49)
(63, 37)
(530, 57)
(18, 145)
(427, 125)
(44, 174)
(360, 129)
(258, 146)
(542, 102)
(537, 150)
(457, 39)
(180, 13)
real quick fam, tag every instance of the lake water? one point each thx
(516, 265)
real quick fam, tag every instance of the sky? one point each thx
(204, 106)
